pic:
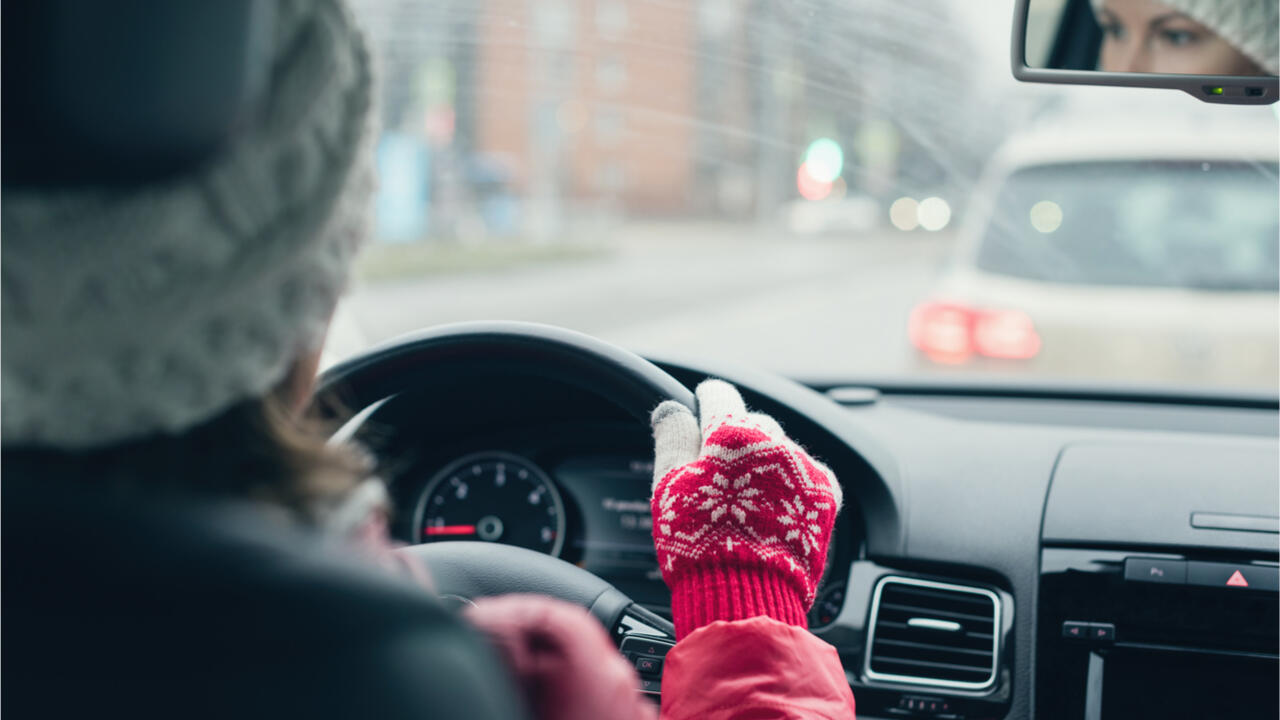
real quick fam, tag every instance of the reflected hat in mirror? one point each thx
(127, 313)
(1250, 26)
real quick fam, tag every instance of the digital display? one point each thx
(612, 495)
(1172, 685)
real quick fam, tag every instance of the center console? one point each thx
(1159, 583)
(1126, 635)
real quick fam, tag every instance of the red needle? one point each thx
(451, 530)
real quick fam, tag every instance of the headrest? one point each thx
(126, 92)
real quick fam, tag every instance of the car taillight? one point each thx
(942, 331)
(952, 333)
(1006, 334)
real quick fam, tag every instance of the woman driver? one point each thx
(1189, 37)
(161, 340)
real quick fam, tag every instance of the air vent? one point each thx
(930, 633)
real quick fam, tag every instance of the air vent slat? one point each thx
(958, 640)
(920, 610)
(934, 646)
(931, 664)
(945, 598)
(958, 651)
(903, 626)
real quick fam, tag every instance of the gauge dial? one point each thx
(493, 497)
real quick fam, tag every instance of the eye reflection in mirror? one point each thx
(1221, 38)
(1185, 37)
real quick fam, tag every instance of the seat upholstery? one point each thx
(119, 607)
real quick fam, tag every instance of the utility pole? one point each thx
(772, 138)
(551, 36)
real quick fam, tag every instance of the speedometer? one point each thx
(493, 497)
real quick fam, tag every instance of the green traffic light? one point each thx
(824, 160)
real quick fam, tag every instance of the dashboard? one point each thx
(990, 559)
(572, 491)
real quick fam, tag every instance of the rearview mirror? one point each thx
(1224, 51)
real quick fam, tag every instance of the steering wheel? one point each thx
(465, 570)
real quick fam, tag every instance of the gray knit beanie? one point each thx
(149, 311)
(1250, 26)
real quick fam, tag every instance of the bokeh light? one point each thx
(934, 213)
(839, 189)
(825, 159)
(1046, 216)
(810, 187)
(904, 213)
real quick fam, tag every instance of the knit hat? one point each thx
(130, 313)
(1250, 26)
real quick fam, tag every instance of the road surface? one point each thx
(826, 307)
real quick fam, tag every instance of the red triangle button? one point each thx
(1237, 580)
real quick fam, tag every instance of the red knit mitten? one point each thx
(741, 514)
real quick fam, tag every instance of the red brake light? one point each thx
(942, 331)
(952, 333)
(1007, 334)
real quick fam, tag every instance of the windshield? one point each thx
(820, 189)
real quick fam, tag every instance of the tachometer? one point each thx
(494, 497)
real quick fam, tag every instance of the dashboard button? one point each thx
(1227, 575)
(1075, 630)
(650, 666)
(1102, 632)
(637, 646)
(931, 706)
(1155, 570)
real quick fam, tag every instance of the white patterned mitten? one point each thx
(741, 514)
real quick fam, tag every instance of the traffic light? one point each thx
(825, 160)
(822, 165)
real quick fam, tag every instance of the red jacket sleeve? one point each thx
(754, 669)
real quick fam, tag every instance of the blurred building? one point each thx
(589, 100)
(528, 116)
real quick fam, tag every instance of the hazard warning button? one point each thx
(1227, 575)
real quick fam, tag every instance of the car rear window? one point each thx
(1202, 225)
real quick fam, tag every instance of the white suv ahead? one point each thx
(1122, 253)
